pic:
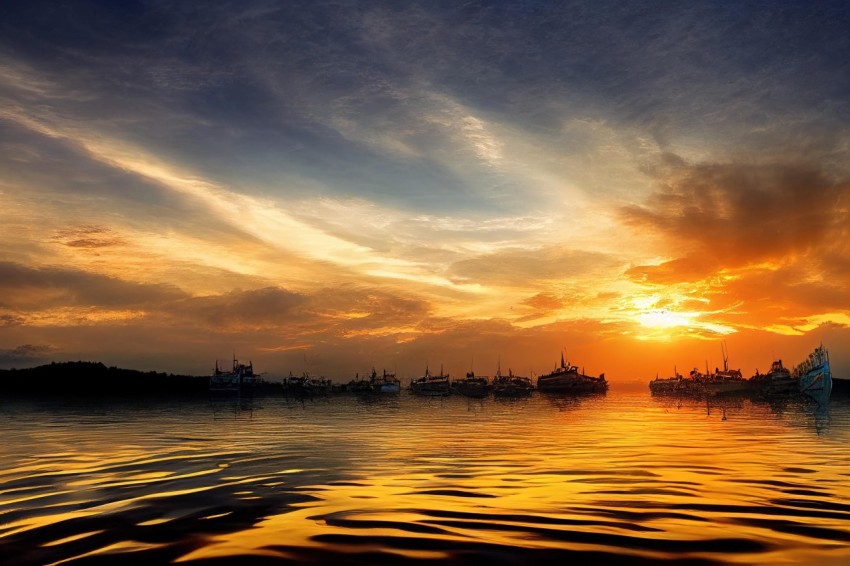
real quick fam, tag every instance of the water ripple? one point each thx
(621, 479)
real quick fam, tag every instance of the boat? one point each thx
(431, 385)
(360, 386)
(240, 379)
(726, 381)
(306, 386)
(678, 384)
(813, 375)
(511, 385)
(477, 386)
(386, 383)
(376, 384)
(567, 378)
(777, 381)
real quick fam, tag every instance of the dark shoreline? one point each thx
(96, 380)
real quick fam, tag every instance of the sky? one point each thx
(331, 186)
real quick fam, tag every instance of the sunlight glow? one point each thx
(665, 319)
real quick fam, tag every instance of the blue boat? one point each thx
(432, 385)
(813, 375)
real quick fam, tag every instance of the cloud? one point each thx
(25, 355)
(520, 267)
(239, 310)
(733, 215)
(760, 245)
(45, 287)
(89, 237)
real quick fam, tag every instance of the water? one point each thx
(623, 479)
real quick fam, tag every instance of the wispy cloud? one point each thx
(369, 180)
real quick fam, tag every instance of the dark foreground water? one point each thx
(625, 478)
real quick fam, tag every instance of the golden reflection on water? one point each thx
(622, 475)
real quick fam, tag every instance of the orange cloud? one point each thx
(732, 215)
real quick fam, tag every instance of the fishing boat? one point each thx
(386, 383)
(472, 385)
(726, 381)
(777, 381)
(676, 385)
(360, 386)
(813, 375)
(568, 379)
(306, 386)
(375, 384)
(431, 385)
(239, 379)
(511, 385)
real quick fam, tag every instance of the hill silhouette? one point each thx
(95, 379)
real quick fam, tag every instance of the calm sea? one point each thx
(624, 478)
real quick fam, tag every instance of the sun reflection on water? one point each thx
(622, 475)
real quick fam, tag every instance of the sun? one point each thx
(664, 318)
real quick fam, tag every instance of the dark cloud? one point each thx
(314, 87)
(27, 287)
(89, 237)
(239, 310)
(328, 312)
(25, 355)
(722, 216)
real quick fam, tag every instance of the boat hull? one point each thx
(431, 387)
(230, 384)
(676, 386)
(814, 376)
(572, 385)
(727, 387)
(817, 384)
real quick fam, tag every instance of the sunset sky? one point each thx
(327, 187)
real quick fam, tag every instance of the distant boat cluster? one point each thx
(812, 376)
(565, 379)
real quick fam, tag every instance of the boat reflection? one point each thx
(568, 401)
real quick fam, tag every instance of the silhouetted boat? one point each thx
(386, 383)
(376, 384)
(306, 386)
(240, 379)
(431, 385)
(568, 379)
(677, 385)
(726, 381)
(777, 381)
(472, 386)
(814, 377)
(511, 385)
